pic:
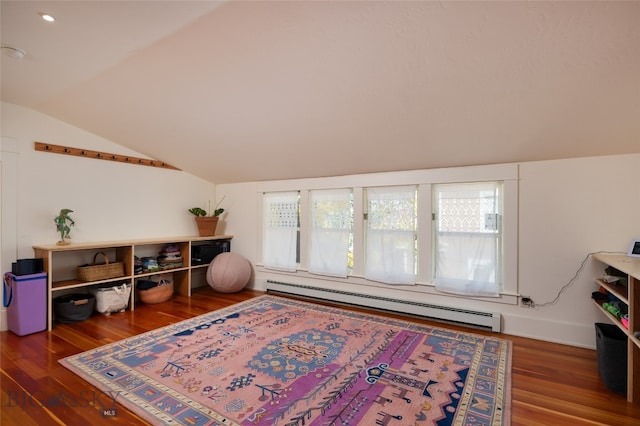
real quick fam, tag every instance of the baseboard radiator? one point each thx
(466, 317)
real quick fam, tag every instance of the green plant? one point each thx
(197, 211)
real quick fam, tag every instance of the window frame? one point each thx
(367, 229)
(310, 213)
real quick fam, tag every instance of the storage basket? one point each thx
(611, 347)
(152, 291)
(103, 271)
(73, 307)
(112, 299)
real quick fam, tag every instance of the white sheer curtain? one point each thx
(390, 255)
(467, 232)
(280, 226)
(331, 224)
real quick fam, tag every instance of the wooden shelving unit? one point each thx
(61, 262)
(629, 295)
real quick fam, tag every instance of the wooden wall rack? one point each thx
(79, 152)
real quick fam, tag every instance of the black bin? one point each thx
(74, 307)
(611, 345)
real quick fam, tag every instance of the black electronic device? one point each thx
(202, 254)
(27, 266)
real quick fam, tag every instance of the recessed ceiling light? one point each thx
(47, 17)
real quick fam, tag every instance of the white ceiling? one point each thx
(247, 91)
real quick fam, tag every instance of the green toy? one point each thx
(61, 225)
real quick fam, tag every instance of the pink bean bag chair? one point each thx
(228, 273)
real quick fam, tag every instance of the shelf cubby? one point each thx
(630, 296)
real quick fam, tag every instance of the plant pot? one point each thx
(207, 225)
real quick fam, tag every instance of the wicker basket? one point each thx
(160, 292)
(103, 271)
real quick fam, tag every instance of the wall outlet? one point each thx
(527, 301)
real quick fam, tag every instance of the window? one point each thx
(390, 254)
(446, 230)
(280, 230)
(331, 236)
(468, 238)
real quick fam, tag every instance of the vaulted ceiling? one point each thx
(238, 91)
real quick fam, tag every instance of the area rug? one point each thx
(277, 361)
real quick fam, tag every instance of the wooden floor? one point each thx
(552, 384)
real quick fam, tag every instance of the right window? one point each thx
(468, 238)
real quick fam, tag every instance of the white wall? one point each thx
(110, 200)
(567, 209)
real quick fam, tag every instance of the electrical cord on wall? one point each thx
(529, 302)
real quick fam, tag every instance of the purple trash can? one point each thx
(25, 297)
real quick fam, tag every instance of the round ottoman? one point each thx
(228, 273)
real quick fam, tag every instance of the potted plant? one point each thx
(206, 224)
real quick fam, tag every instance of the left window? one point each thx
(281, 224)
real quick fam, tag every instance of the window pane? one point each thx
(390, 254)
(468, 238)
(280, 223)
(331, 232)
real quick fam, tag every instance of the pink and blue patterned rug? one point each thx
(276, 361)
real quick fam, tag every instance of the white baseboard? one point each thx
(3, 319)
(573, 334)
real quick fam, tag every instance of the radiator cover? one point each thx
(466, 317)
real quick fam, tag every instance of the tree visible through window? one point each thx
(331, 237)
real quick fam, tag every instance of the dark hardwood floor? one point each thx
(552, 384)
